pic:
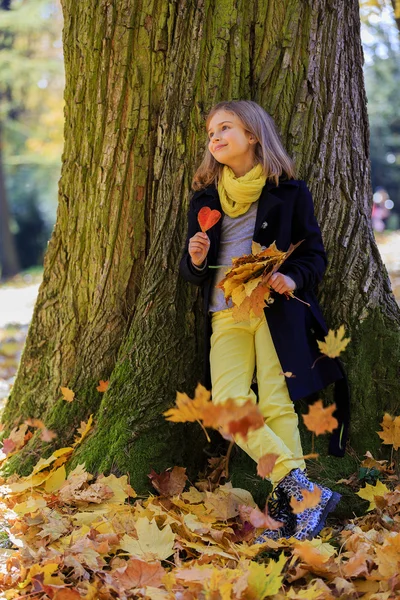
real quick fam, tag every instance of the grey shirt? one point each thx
(236, 239)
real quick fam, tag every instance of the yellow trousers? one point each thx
(236, 348)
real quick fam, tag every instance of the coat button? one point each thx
(264, 225)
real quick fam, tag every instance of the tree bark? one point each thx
(9, 263)
(139, 80)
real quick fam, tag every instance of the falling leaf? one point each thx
(266, 464)
(232, 418)
(103, 386)
(391, 431)
(370, 491)
(68, 394)
(320, 419)
(16, 440)
(334, 343)
(310, 499)
(188, 410)
(259, 518)
(46, 434)
(207, 218)
(287, 374)
(169, 482)
(152, 543)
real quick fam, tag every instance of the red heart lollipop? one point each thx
(207, 218)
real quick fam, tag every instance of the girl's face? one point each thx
(229, 143)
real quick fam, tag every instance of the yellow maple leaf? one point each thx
(391, 431)
(68, 394)
(188, 410)
(334, 343)
(265, 581)
(152, 543)
(369, 491)
(320, 419)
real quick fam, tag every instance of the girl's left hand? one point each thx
(282, 283)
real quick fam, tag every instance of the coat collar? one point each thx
(270, 197)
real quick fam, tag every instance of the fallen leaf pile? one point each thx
(247, 281)
(72, 536)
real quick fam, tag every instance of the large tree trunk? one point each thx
(9, 263)
(139, 80)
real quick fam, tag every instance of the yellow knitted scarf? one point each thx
(238, 193)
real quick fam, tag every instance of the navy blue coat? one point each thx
(285, 215)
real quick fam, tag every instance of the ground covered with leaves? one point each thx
(71, 536)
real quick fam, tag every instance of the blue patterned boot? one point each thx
(309, 522)
(280, 510)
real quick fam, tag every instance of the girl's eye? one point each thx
(223, 126)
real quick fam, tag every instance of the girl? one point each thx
(247, 175)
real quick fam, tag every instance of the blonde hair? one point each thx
(269, 150)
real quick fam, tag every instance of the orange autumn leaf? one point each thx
(68, 394)
(310, 499)
(231, 418)
(207, 218)
(391, 431)
(320, 419)
(266, 464)
(103, 386)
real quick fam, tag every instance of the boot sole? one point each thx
(330, 506)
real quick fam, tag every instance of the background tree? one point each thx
(31, 116)
(139, 82)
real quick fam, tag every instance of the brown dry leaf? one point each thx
(138, 573)
(266, 464)
(391, 431)
(68, 394)
(169, 482)
(334, 343)
(320, 419)
(310, 499)
(371, 463)
(103, 386)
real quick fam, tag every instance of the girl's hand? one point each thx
(282, 283)
(199, 246)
